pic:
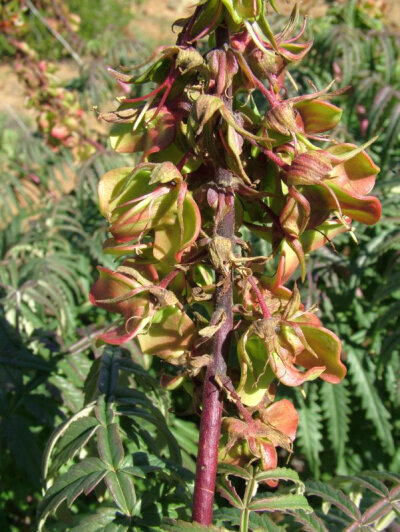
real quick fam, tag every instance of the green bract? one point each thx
(149, 199)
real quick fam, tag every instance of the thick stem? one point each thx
(210, 425)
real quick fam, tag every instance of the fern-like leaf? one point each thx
(374, 408)
(336, 412)
(309, 434)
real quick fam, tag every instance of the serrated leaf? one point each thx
(187, 435)
(134, 471)
(122, 490)
(109, 371)
(394, 494)
(335, 497)
(368, 482)
(376, 512)
(391, 136)
(388, 288)
(372, 403)
(280, 473)
(262, 522)
(380, 103)
(162, 427)
(110, 445)
(59, 432)
(336, 411)
(237, 471)
(385, 475)
(310, 521)
(95, 522)
(104, 411)
(228, 515)
(228, 491)
(309, 433)
(280, 502)
(148, 463)
(76, 437)
(82, 477)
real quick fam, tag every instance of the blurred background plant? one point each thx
(51, 158)
(359, 296)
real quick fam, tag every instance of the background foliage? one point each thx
(108, 407)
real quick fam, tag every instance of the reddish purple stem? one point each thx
(265, 310)
(169, 278)
(210, 425)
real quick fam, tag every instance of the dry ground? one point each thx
(151, 22)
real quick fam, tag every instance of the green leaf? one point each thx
(109, 371)
(59, 432)
(385, 476)
(110, 445)
(365, 481)
(391, 134)
(104, 411)
(70, 378)
(262, 522)
(281, 473)
(377, 512)
(226, 515)
(146, 463)
(280, 502)
(160, 425)
(310, 521)
(372, 403)
(228, 491)
(186, 434)
(377, 110)
(388, 287)
(336, 411)
(122, 490)
(309, 434)
(256, 374)
(96, 522)
(75, 438)
(80, 478)
(335, 497)
(183, 526)
(237, 471)
(318, 116)
(109, 442)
